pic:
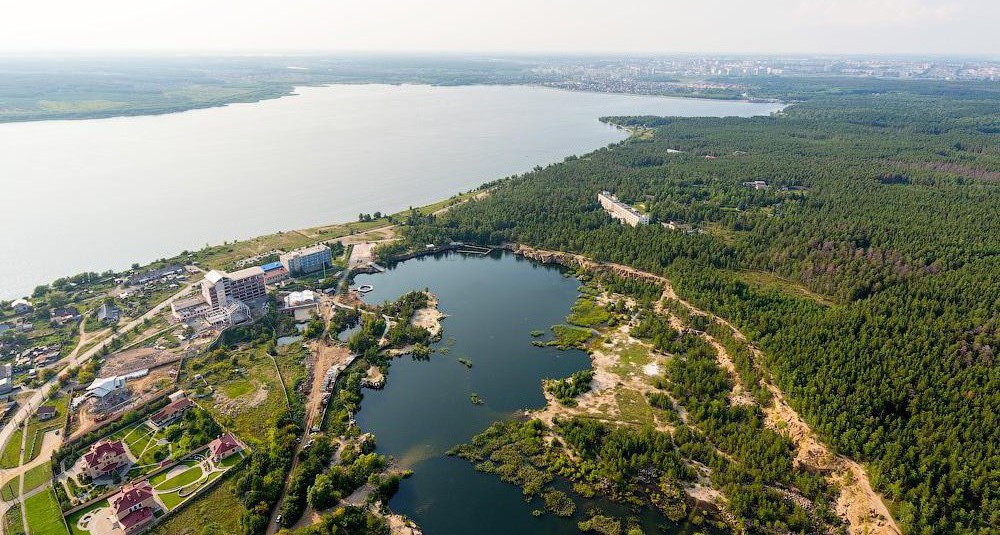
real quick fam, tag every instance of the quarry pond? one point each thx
(493, 303)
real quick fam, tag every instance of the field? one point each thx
(44, 514)
(9, 490)
(186, 477)
(11, 457)
(37, 476)
(217, 511)
(633, 407)
(770, 281)
(631, 359)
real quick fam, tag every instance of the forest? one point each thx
(866, 269)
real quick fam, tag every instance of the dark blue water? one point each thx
(493, 304)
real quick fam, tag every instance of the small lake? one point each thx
(98, 194)
(493, 304)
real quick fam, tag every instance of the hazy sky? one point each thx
(807, 26)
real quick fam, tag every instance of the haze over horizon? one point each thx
(913, 27)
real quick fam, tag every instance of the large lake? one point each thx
(99, 194)
(493, 303)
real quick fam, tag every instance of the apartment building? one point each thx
(221, 289)
(307, 260)
(621, 211)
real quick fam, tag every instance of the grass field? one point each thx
(44, 515)
(217, 511)
(240, 387)
(633, 407)
(631, 359)
(11, 457)
(37, 476)
(192, 474)
(9, 490)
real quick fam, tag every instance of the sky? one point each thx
(501, 26)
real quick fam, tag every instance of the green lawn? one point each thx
(237, 388)
(44, 514)
(37, 476)
(186, 477)
(217, 511)
(9, 490)
(11, 457)
(231, 461)
(75, 517)
(633, 407)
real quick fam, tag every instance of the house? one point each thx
(63, 315)
(6, 371)
(756, 184)
(46, 412)
(104, 457)
(167, 272)
(21, 306)
(134, 506)
(6, 386)
(109, 313)
(171, 413)
(224, 447)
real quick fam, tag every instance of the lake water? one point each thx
(100, 194)
(424, 410)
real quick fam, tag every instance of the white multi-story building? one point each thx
(307, 260)
(621, 211)
(221, 289)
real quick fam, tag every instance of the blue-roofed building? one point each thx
(274, 272)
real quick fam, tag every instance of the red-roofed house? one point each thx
(134, 506)
(224, 446)
(169, 414)
(104, 457)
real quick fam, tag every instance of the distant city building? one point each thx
(134, 507)
(274, 272)
(105, 457)
(621, 211)
(221, 289)
(307, 260)
(20, 306)
(109, 313)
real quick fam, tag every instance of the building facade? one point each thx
(621, 211)
(224, 447)
(221, 289)
(307, 260)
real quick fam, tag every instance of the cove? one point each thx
(493, 303)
